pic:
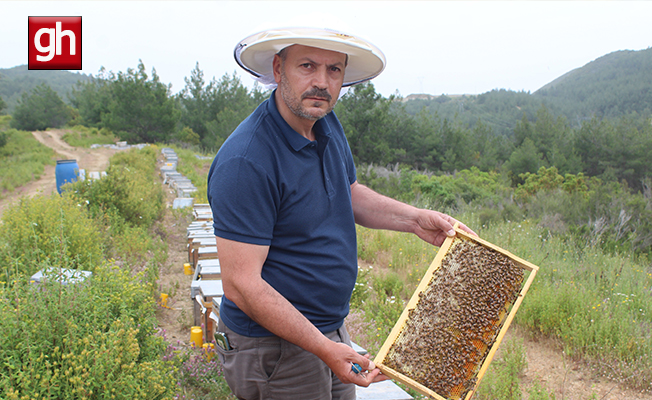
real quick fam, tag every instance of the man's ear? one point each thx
(276, 68)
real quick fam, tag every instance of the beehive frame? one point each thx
(505, 320)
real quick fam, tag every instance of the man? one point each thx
(285, 201)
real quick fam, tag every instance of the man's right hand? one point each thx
(340, 358)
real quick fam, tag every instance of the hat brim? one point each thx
(256, 52)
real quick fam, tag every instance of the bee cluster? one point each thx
(448, 334)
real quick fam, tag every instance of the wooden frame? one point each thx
(423, 285)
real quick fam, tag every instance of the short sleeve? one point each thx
(244, 201)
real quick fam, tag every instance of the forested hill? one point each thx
(611, 86)
(14, 81)
(618, 83)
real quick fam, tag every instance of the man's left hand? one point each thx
(434, 227)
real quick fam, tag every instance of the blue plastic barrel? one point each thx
(66, 172)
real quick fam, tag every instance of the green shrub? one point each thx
(97, 339)
(143, 160)
(188, 136)
(431, 191)
(129, 188)
(90, 341)
(136, 197)
(471, 185)
(131, 243)
(51, 228)
(125, 204)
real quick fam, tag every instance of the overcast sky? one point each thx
(435, 47)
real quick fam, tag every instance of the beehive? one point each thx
(452, 326)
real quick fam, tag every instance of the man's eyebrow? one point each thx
(306, 58)
(337, 64)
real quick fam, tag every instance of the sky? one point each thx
(434, 47)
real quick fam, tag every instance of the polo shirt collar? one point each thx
(292, 137)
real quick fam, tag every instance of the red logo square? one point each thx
(54, 43)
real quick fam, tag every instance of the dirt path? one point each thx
(566, 379)
(177, 318)
(89, 159)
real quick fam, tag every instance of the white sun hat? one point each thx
(256, 52)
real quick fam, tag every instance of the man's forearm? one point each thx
(376, 211)
(373, 210)
(262, 303)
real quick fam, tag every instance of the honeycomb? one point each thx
(445, 337)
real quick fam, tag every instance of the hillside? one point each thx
(499, 109)
(616, 84)
(14, 81)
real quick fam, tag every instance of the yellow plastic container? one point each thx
(187, 269)
(196, 336)
(164, 300)
(209, 350)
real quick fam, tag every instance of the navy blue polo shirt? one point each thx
(269, 185)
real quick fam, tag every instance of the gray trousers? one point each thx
(271, 368)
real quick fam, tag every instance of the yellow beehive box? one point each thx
(452, 326)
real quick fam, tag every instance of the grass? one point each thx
(598, 304)
(22, 160)
(195, 169)
(198, 373)
(81, 136)
(502, 380)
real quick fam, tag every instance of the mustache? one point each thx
(317, 92)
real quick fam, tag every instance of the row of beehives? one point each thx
(120, 146)
(203, 263)
(182, 185)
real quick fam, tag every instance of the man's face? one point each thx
(309, 80)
